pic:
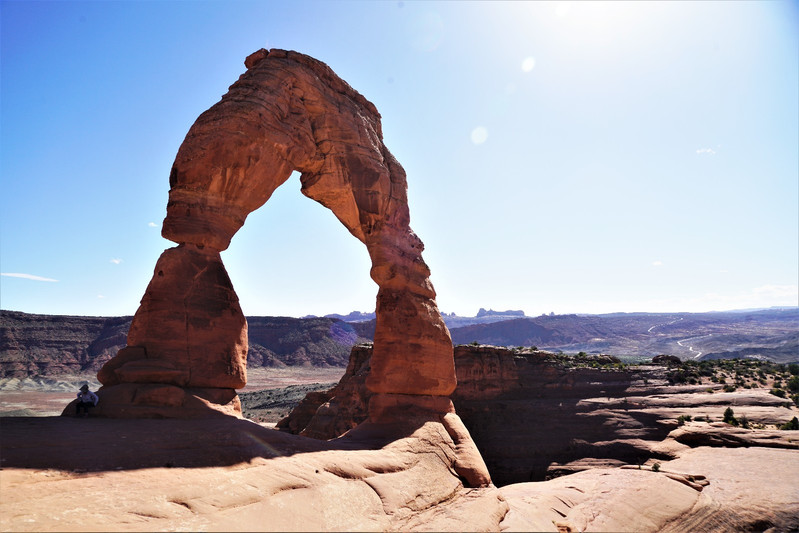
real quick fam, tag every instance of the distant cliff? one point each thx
(55, 345)
(769, 334)
(52, 345)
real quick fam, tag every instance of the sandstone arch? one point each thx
(187, 344)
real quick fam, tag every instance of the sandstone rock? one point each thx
(719, 434)
(107, 374)
(287, 112)
(468, 462)
(152, 371)
(599, 500)
(343, 408)
(232, 475)
(190, 317)
(159, 400)
(533, 419)
(668, 360)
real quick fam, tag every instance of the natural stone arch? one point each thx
(187, 344)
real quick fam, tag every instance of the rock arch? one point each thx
(187, 344)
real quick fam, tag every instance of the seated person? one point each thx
(86, 400)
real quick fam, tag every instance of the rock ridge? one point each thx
(532, 417)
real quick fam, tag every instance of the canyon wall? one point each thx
(58, 346)
(535, 415)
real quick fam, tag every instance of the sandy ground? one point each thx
(33, 403)
(275, 378)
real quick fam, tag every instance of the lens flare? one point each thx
(528, 64)
(270, 451)
(479, 135)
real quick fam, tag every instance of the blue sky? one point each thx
(567, 157)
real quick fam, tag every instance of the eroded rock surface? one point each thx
(288, 112)
(532, 418)
(228, 474)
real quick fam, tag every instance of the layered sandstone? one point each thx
(532, 417)
(63, 474)
(288, 112)
(226, 474)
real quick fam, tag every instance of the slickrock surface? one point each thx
(227, 474)
(706, 489)
(287, 112)
(233, 475)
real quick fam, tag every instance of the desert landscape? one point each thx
(404, 419)
(579, 443)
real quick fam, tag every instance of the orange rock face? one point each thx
(287, 112)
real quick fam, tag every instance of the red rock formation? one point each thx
(532, 417)
(287, 112)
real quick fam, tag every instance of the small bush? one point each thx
(729, 417)
(793, 425)
(779, 393)
(656, 467)
(682, 419)
(730, 388)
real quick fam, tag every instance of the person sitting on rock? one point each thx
(86, 400)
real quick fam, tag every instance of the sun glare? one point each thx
(600, 21)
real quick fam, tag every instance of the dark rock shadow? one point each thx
(104, 444)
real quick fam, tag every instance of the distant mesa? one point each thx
(355, 316)
(482, 313)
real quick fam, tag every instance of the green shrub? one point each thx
(793, 368)
(792, 425)
(729, 417)
(793, 384)
(778, 393)
(682, 419)
(656, 467)
(729, 388)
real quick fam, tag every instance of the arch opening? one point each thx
(293, 258)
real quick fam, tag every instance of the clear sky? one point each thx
(567, 157)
